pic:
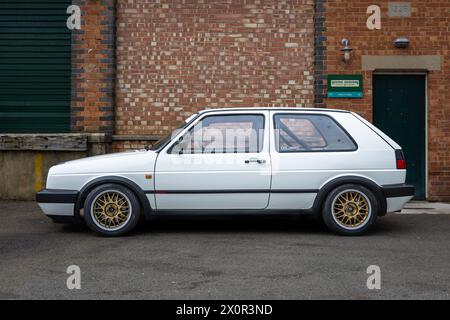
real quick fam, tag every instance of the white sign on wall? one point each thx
(399, 9)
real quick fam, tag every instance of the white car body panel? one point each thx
(134, 166)
(57, 209)
(396, 203)
(121, 162)
(284, 181)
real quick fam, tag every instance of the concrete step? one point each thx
(425, 207)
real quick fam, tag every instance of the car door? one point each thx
(220, 162)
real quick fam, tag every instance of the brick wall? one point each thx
(177, 57)
(93, 68)
(429, 34)
(128, 145)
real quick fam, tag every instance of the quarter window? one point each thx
(223, 134)
(303, 133)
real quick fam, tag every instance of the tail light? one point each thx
(400, 159)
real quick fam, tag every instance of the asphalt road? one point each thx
(249, 259)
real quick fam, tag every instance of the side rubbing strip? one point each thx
(295, 191)
(231, 191)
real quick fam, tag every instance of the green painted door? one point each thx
(35, 71)
(399, 111)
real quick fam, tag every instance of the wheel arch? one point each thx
(138, 192)
(339, 181)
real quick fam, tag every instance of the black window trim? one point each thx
(193, 123)
(306, 114)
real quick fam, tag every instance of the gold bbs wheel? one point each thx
(351, 209)
(111, 210)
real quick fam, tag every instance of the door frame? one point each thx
(406, 73)
(265, 169)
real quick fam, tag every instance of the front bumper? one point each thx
(397, 195)
(58, 204)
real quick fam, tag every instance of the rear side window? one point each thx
(306, 133)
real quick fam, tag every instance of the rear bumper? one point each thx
(398, 190)
(397, 195)
(58, 204)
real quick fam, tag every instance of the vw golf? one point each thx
(330, 163)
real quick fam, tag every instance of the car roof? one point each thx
(273, 109)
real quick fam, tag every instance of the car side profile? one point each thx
(330, 163)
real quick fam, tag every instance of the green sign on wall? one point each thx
(345, 86)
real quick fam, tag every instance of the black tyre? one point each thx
(111, 210)
(350, 209)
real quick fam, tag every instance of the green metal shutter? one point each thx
(35, 68)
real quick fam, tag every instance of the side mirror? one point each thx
(179, 141)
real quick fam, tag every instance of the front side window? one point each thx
(303, 133)
(223, 134)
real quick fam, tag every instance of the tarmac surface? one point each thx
(225, 259)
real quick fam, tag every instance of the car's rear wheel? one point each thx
(111, 210)
(350, 209)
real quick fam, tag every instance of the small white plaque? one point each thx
(399, 9)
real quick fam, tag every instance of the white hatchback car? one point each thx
(331, 163)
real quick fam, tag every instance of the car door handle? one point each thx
(254, 160)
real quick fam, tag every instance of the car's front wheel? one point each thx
(350, 209)
(111, 210)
